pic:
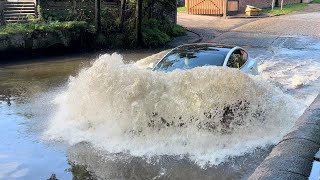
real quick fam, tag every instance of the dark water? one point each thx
(24, 155)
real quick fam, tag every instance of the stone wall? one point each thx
(262, 3)
(38, 40)
(292, 158)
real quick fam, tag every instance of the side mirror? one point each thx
(151, 66)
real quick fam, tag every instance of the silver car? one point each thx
(206, 54)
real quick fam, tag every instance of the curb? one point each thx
(250, 17)
(176, 43)
(200, 37)
(293, 156)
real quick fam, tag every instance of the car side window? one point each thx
(237, 59)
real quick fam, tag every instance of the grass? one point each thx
(316, 1)
(182, 9)
(31, 27)
(286, 9)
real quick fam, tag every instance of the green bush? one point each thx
(159, 32)
(154, 32)
(101, 40)
(43, 35)
(178, 31)
(154, 37)
(37, 27)
(172, 29)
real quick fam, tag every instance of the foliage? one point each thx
(316, 1)
(159, 32)
(110, 21)
(31, 17)
(101, 39)
(55, 26)
(182, 9)
(116, 31)
(171, 29)
(42, 35)
(40, 16)
(286, 9)
(154, 37)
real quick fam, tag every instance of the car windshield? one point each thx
(192, 56)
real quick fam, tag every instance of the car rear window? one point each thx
(188, 59)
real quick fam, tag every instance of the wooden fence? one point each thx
(1, 13)
(17, 11)
(212, 7)
(75, 9)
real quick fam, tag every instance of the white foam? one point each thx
(299, 77)
(207, 113)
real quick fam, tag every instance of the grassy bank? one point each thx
(79, 34)
(49, 27)
(42, 35)
(286, 9)
(160, 32)
(182, 9)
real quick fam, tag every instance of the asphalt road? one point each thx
(295, 31)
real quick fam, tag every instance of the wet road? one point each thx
(24, 114)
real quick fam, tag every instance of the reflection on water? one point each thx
(315, 172)
(94, 163)
(23, 155)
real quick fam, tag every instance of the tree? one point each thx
(272, 6)
(139, 22)
(98, 15)
(122, 13)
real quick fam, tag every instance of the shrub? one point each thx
(153, 37)
(101, 40)
(159, 32)
(37, 27)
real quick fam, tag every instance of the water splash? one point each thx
(291, 74)
(207, 113)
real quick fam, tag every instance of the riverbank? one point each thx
(40, 38)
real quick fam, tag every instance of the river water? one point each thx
(84, 117)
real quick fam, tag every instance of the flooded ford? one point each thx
(110, 117)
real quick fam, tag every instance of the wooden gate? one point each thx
(212, 7)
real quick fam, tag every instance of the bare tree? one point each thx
(139, 22)
(98, 15)
(122, 13)
(272, 6)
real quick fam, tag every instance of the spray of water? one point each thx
(207, 114)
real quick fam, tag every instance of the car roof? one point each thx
(199, 53)
(224, 49)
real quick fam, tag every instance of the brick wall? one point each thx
(262, 3)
